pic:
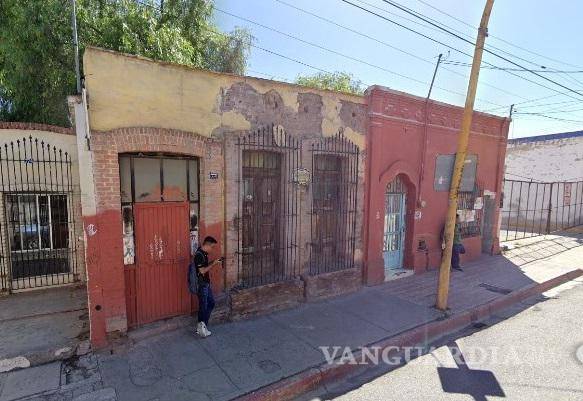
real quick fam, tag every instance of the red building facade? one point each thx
(310, 193)
(410, 142)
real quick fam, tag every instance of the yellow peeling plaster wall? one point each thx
(128, 91)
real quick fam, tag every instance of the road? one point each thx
(527, 353)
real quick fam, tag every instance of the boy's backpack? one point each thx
(192, 279)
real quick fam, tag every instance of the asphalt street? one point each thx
(533, 351)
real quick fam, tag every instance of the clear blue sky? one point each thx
(548, 28)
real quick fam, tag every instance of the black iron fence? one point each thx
(268, 207)
(535, 208)
(334, 199)
(38, 246)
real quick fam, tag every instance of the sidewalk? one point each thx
(41, 326)
(242, 357)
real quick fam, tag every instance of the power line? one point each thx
(343, 55)
(498, 38)
(572, 79)
(430, 62)
(421, 17)
(449, 47)
(552, 118)
(546, 71)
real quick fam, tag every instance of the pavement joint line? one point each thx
(312, 377)
(14, 319)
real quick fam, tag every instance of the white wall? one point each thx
(548, 161)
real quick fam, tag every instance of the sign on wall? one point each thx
(444, 171)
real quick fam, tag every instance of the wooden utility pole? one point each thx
(462, 147)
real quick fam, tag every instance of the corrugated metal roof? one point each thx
(548, 137)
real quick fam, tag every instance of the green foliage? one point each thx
(37, 55)
(338, 81)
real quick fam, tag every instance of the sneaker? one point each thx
(205, 330)
(198, 330)
(459, 269)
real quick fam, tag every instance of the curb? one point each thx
(311, 378)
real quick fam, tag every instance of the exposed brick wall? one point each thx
(105, 248)
(36, 127)
(332, 284)
(267, 298)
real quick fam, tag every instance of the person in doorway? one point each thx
(458, 247)
(206, 301)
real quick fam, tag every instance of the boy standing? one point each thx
(206, 301)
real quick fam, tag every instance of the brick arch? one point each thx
(107, 146)
(105, 247)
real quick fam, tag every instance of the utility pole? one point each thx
(76, 44)
(462, 147)
(434, 75)
(426, 121)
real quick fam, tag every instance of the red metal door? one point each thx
(156, 285)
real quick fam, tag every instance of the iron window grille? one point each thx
(334, 200)
(466, 204)
(268, 206)
(38, 246)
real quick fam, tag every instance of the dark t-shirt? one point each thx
(201, 259)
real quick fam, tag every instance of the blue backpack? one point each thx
(192, 279)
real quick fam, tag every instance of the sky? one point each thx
(540, 35)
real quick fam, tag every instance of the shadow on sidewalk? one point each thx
(458, 380)
(243, 356)
(528, 250)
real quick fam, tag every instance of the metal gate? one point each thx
(38, 245)
(394, 230)
(334, 198)
(533, 208)
(156, 285)
(268, 207)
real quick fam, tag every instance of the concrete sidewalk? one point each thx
(38, 327)
(252, 358)
(244, 356)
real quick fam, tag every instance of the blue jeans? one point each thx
(455, 255)
(206, 302)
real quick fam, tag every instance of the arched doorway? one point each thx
(394, 226)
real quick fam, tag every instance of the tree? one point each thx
(337, 81)
(36, 49)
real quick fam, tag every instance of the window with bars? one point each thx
(334, 192)
(268, 207)
(470, 218)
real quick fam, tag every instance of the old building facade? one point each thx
(271, 170)
(310, 193)
(412, 144)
